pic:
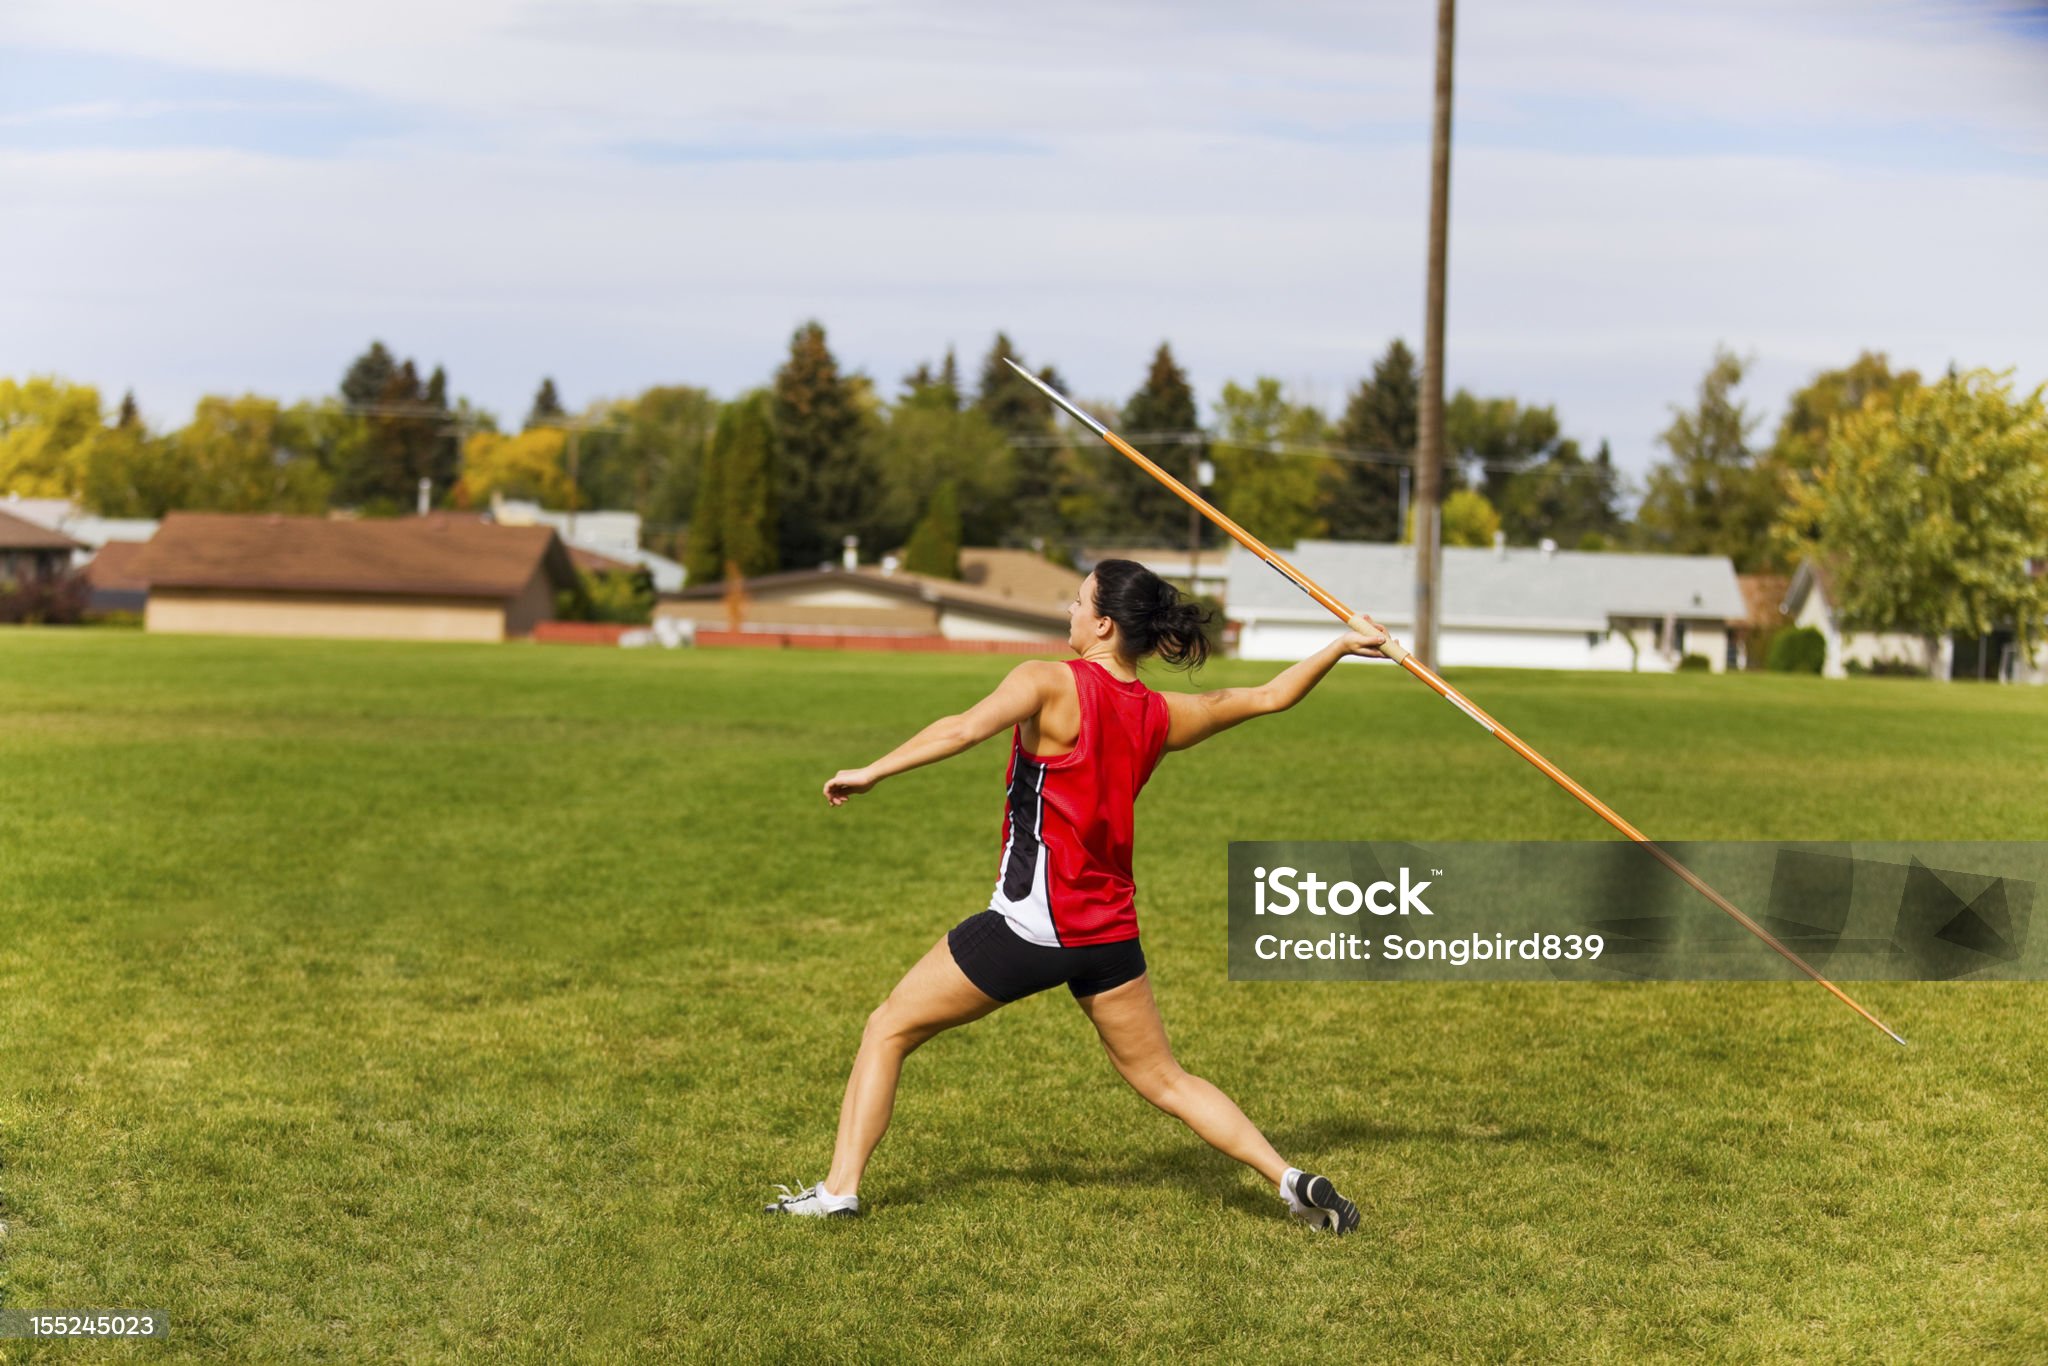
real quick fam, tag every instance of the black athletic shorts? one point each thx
(1009, 967)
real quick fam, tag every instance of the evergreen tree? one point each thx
(394, 431)
(1712, 497)
(1364, 498)
(547, 410)
(131, 416)
(924, 388)
(704, 553)
(1567, 498)
(367, 375)
(1163, 404)
(1500, 438)
(444, 462)
(934, 546)
(825, 486)
(1007, 399)
(1027, 418)
(734, 520)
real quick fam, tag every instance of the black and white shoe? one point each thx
(812, 1203)
(1317, 1204)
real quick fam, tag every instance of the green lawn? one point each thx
(449, 1002)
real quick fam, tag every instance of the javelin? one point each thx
(1393, 650)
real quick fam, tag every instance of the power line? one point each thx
(1345, 454)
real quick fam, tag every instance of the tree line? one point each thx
(1867, 465)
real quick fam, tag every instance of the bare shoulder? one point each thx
(1044, 676)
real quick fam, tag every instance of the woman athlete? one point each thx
(1087, 734)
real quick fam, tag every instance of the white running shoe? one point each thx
(812, 1203)
(1315, 1202)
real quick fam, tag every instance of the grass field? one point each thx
(396, 1002)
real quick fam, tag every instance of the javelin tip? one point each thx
(1072, 409)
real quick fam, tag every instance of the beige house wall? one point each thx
(907, 619)
(957, 623)
(848, 608)
(345, 616)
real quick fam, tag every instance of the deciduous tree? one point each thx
(1932, 511)
(48, 427)
(1272, 493)
(527, 464)
(233, 460)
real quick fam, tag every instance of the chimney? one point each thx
(849, 553)
(1500, 545)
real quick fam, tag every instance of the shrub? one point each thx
(1695, 664)
(1801, 650)
(625, 599)
(1896, 668)
(57, 601)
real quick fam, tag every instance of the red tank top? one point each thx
(1066, 869)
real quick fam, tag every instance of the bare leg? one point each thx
(933, 997)
(1128, 1020)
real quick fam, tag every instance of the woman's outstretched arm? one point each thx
(1194, 717)
(1026, 690)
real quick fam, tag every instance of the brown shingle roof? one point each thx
(19, 533)
(1021, 575)
(409, 557)
(900, 584)
(113, 569)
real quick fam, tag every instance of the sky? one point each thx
(223, 196)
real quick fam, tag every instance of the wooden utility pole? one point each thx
(1429, 454)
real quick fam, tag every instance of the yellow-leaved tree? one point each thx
(526, 465)
(1468, 519)
(47, 431)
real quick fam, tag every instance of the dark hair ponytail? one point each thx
(1153, 616)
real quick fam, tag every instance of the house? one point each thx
(610, 533)
(420, 578)
(113, 581)
(1023, 576)
(1502, 607)
(1207, 570)
(835, 601)
(61, 514)
(1811, 600)
(31, 552)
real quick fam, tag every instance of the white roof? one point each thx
(60, 514)
(1505, 588)
(609, 531)
(668, 576)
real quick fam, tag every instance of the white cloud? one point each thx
(1248, 183)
